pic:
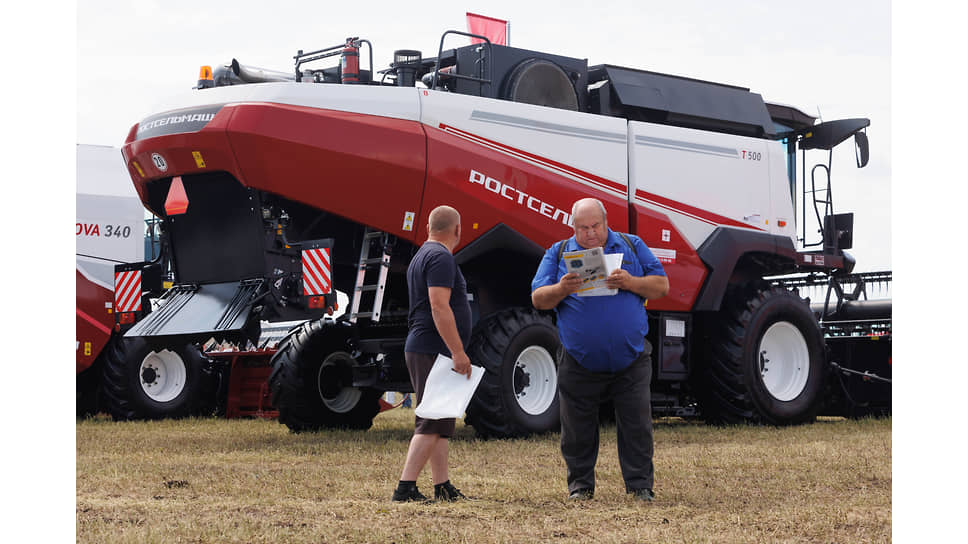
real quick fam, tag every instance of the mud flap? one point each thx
(198, 312)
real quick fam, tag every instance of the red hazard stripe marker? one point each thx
(127, 291)
(316, 271)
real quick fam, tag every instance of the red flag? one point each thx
(496, 30)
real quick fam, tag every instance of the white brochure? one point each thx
(447, 393)
(593, 265)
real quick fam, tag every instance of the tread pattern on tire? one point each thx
(724, 382)
(293, 388)
(125, 402)
(489, 411)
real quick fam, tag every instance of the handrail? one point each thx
(440, 52)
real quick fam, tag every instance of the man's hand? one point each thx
(569, 283)
(619, 279)
(547, 297)
(647, 287)
(462, 364)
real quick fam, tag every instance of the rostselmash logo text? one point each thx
(176, 119)
(520, 198)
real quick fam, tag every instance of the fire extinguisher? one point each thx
(350, 62)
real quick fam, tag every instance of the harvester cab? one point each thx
(833, 231)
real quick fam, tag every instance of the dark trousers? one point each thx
(581, 391)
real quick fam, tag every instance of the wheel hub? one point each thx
(535, 380)
(784, 361)
(163, 375)
(521, 380)
(334, 383)
(149, 375)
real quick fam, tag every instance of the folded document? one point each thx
(447, 393)
(594, 266)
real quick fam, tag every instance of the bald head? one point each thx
(442, 219)
(443, 225)
(587, 206)
(588, 219)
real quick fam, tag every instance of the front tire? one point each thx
(764, 361)
(518, 395)
(311, 382)
(143, 383)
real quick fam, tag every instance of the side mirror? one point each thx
(861, 149)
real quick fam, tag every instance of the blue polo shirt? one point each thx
(603, 333)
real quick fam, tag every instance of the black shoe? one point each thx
(644, 494)
(447, 492)
(582, 495)
(408, 494)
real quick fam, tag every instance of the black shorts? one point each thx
(419, 365)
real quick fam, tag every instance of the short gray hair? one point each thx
(442, 218)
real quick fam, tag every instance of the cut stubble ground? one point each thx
(216, 480)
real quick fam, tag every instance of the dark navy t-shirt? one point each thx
(434, 266)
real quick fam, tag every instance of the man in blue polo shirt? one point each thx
(605, 354)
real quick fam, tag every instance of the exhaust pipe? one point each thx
(252, 74)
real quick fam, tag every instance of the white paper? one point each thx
(594, 266)
(612, 261)
(447, 393)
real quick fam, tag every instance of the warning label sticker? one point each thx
(665, 256)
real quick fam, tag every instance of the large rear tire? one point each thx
(518, 395)
(311, 382)
(143, 383)
(764, 360)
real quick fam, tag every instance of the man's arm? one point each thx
(647, 287)
(652, 284)
(447, 328)
(549, 296)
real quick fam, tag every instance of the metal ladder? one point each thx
(367, 265)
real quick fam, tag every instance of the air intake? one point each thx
(542, 83)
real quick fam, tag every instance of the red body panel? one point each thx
(211, 144)
(94, 320)
(366, 168)
(686, 272)
(335, 161)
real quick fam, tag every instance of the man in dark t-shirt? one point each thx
(439, 322)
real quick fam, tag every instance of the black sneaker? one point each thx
(447, 492)
(582, 495)
(644, 494)
(409, 494)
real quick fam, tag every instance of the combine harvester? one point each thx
(276, 189)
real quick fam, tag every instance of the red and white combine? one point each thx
(276, 189)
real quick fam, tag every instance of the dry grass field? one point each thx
(251, 481)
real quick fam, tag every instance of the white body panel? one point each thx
(592, 144)
(703, 180)
(110, 216)
(392, 102)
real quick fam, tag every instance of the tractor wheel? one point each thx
(765, 360)
(142, 383)
(518, 395)
(311, 383)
